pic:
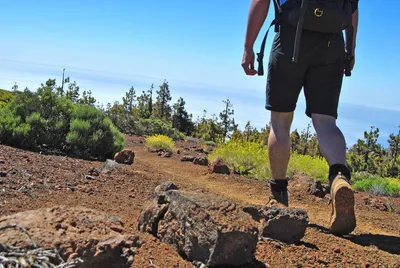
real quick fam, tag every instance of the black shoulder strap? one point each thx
(299, 31)
(260, 55)
(349, 44)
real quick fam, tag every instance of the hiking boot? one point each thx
(278, 198)
(343, 219)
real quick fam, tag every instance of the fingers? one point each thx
(249, 68)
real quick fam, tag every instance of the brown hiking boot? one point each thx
(343, 219)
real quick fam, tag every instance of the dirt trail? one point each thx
(376, 240)
(45, 179)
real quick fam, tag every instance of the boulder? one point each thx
(92, 236)
(279, 223)
(201, 227)
(219, 167)
(125, 157)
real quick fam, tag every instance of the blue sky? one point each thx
(108, 46)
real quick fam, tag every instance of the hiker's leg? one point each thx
(284, 82)
(279, 144)
(322, 90)
(330, 138)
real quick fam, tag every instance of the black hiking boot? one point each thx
(279, 192)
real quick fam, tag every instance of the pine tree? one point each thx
(181, 120)
(129, 100)
(226, 120)
(162, 109)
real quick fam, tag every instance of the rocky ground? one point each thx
(93, 213)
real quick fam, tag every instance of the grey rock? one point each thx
(110, 165)
(202, 227)
(280, 223)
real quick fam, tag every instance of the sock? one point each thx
(279, 185)
(335, 169)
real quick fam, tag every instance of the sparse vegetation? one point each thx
(160, 142)
(60, 118)
(379, 186)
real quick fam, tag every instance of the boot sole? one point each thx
(343, 220)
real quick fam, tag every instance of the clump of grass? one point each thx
(314, 167)
(160, 142)
(379, 186)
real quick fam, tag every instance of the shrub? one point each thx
(246, 158)
(251, 159)
(314, 167)
(155, 126)
(380, 186)
(5, 97)
(158, 142)
(93, 133)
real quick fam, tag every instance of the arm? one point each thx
(355, 27)
(257, 15)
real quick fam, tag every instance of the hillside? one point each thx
(32, 181)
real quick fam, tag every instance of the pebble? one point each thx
(3, 174)
(336, 250)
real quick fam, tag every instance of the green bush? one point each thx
(314, 167)
(34, 119)
(379, 186)
(157, 142)
(92, 133)
(246, 158)
(5, 97)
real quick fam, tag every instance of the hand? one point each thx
(248, 61)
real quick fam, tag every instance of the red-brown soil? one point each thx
(36, 181)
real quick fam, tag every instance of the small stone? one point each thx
(202, 161)
(3, 174)
(88, 177)
(336, 250)
(2, 161)
(187, 158)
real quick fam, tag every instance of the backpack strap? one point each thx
(260, 55)
(299, 31)
(349, 44)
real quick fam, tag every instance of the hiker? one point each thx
(309, 50)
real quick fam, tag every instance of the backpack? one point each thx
(325, 16)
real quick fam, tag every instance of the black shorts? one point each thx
(319, 70)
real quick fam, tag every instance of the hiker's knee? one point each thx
(281, 122)
(322, 121)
